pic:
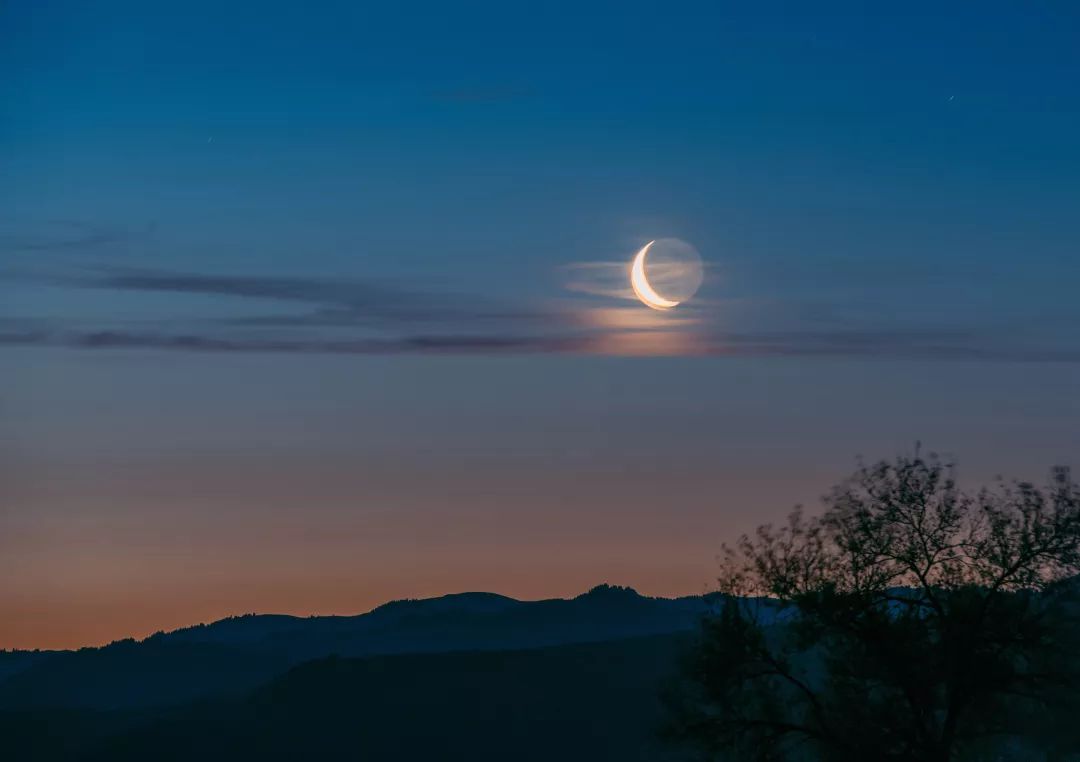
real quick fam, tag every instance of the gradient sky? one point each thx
(304, 307)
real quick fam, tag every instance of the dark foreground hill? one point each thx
(233, 656)
(595, 701)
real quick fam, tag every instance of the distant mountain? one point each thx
(454, 622)
(595, 701)
(13, 662)
(232, 656)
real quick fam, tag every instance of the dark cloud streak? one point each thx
(882, 345)
(342, 301)
(434, 344)
(403, 321)
(66, 236)
(334, 302)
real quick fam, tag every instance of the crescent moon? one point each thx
(642, 289)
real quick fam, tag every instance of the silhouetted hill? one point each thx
(13, 662)
(456, 622)
(134, 675)
(234, 655)
(597, 701)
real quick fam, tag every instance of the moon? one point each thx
(642, 289)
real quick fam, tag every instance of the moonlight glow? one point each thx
(641, 285)
(673, 275)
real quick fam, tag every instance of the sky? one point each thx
(306, 307)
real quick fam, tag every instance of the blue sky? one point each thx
(256, 261)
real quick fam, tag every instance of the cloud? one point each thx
(24, 338)
(375, 318)
(675, 269)
(635, 318)
(608, 279)
(337, 317)
(64, 236)
(189, 342)
(333, 302)
(260, 287)
(851, 344)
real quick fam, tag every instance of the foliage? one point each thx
(908, 621)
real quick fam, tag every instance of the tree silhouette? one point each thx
(909, 621)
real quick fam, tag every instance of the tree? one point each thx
(909, 621)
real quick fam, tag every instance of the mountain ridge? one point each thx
(235, 654)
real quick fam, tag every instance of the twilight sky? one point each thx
(313, 306)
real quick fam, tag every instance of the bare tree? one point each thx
(909, 621)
